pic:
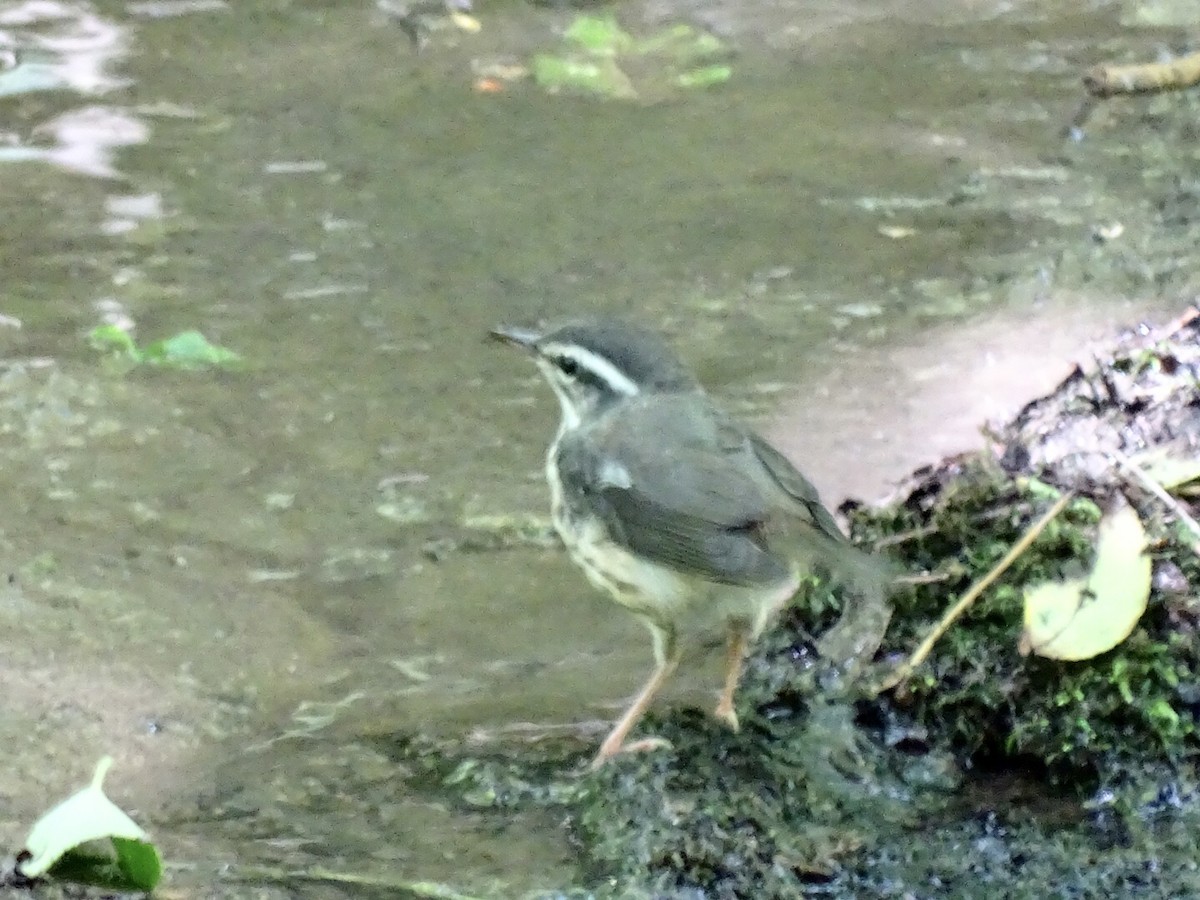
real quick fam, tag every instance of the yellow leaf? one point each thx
(1080, 618)
(1169, 471)
(466, 23)
(1050, 608)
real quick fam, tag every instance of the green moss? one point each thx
(761, 813)
(827, 797)
(975, 692)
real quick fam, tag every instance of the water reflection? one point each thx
(74, 52)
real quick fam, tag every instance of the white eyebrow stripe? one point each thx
(605, 371)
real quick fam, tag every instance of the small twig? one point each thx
(924, 578)
(1156, 489)
(533, 732)
(1104, 81)
(919, 655)
(904, 536)
(1171, 329)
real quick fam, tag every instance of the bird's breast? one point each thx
(636, 583)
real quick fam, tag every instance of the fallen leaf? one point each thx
(1079, 618)
(85, 816)
(466, 23)
(1168, 470)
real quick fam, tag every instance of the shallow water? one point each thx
(871, 239)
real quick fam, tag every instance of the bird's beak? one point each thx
(524, 338)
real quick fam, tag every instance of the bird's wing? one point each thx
(865, 608)
(697, 502)
(799, 488)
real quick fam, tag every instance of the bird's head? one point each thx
(593, 363)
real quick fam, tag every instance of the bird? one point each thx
(683, 515)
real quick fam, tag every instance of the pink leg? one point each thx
(666, 659)
(735, 651)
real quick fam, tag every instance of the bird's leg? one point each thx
(666, 658)
(735, 651)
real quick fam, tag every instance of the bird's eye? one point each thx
(569, 366)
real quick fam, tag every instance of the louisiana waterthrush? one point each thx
(687, 518)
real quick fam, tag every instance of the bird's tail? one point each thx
(865, 580)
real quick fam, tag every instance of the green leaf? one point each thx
(54, 842)
(139, 862)
(590, 76)
(599, 57)
(116, 340)
(705, 77)
(188, 350)
(682, 44)
(600, 35)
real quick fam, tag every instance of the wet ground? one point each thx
(871, 239)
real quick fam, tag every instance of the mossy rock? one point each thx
(905, 792)
(1139, 702)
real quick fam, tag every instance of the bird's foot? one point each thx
(642, 745)
(727, 715)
